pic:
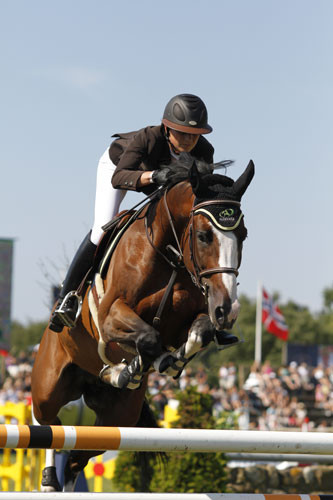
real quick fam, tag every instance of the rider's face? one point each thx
(182, 142)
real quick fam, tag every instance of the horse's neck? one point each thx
(173, 210)
(180, 201)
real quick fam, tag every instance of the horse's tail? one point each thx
(147, 459)
(147, 417)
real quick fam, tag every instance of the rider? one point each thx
(133, 162)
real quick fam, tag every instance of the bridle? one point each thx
(175, 257)
(198, 273)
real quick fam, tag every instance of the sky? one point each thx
(75, 72)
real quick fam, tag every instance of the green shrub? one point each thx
(181, 472)
(133, 471)
(186, 472)
(191, 473)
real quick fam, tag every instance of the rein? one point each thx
(175, 256)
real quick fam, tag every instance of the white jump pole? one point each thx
(142, 439)
(156, 496)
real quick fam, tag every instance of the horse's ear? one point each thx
(243, 182)
(194, 177)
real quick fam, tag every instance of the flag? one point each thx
(272, 318)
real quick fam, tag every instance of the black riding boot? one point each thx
(69, 302)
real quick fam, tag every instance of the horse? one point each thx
(168, 291)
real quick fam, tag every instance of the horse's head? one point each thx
(217, 232)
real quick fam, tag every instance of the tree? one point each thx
(328, 299)
(25, 337)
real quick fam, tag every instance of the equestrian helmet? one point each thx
(187, 113)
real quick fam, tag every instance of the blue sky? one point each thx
(73, 73)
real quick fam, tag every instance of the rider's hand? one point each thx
(161, 177)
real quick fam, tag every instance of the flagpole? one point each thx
(258, 337)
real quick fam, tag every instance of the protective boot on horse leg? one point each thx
(69, 302)
(149, 348)
(201, 334)
(147, 345)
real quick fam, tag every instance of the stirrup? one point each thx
(64, 315)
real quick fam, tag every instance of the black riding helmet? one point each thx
(187, 113)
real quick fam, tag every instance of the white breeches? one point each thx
(107, 199)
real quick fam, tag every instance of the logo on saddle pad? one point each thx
(223, 216)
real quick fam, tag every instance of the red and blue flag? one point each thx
(272, 318)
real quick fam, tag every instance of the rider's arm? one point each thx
(132, 170)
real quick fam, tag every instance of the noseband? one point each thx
(199, 273)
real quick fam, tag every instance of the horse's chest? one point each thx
(183, 299)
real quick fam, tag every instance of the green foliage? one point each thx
(187, 472)
(133, 471)
(227, 420)
(181, 471)
(25, 337)
(191, 473)
(195, 410)
(328, 299)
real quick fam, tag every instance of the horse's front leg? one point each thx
(124, 326)
(201, 334)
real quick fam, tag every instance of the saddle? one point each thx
(113, 232)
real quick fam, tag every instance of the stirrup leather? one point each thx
(63, 313)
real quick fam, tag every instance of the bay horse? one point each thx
(170, 289)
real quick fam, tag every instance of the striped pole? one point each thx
(141, 439)
(158, 496)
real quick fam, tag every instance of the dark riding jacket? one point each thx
(146, 150)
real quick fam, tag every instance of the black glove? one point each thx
(161, 177)
(204, 168)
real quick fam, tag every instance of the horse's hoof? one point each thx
(224, 340)
(110, 374)
(126, 380)
(49, 480)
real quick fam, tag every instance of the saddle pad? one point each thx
(103, 267)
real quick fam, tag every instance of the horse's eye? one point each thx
(205, 237)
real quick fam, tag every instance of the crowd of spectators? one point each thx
(293, 396)
(16, 378)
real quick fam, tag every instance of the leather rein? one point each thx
(175, 257)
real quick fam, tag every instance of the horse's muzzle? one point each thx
(222, 318)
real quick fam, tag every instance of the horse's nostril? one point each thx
(219, 315)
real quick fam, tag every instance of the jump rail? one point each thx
(141, 439)
(159, 496)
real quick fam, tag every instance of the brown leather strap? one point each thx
(216, 270)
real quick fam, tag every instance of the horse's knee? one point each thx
(149, 346)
